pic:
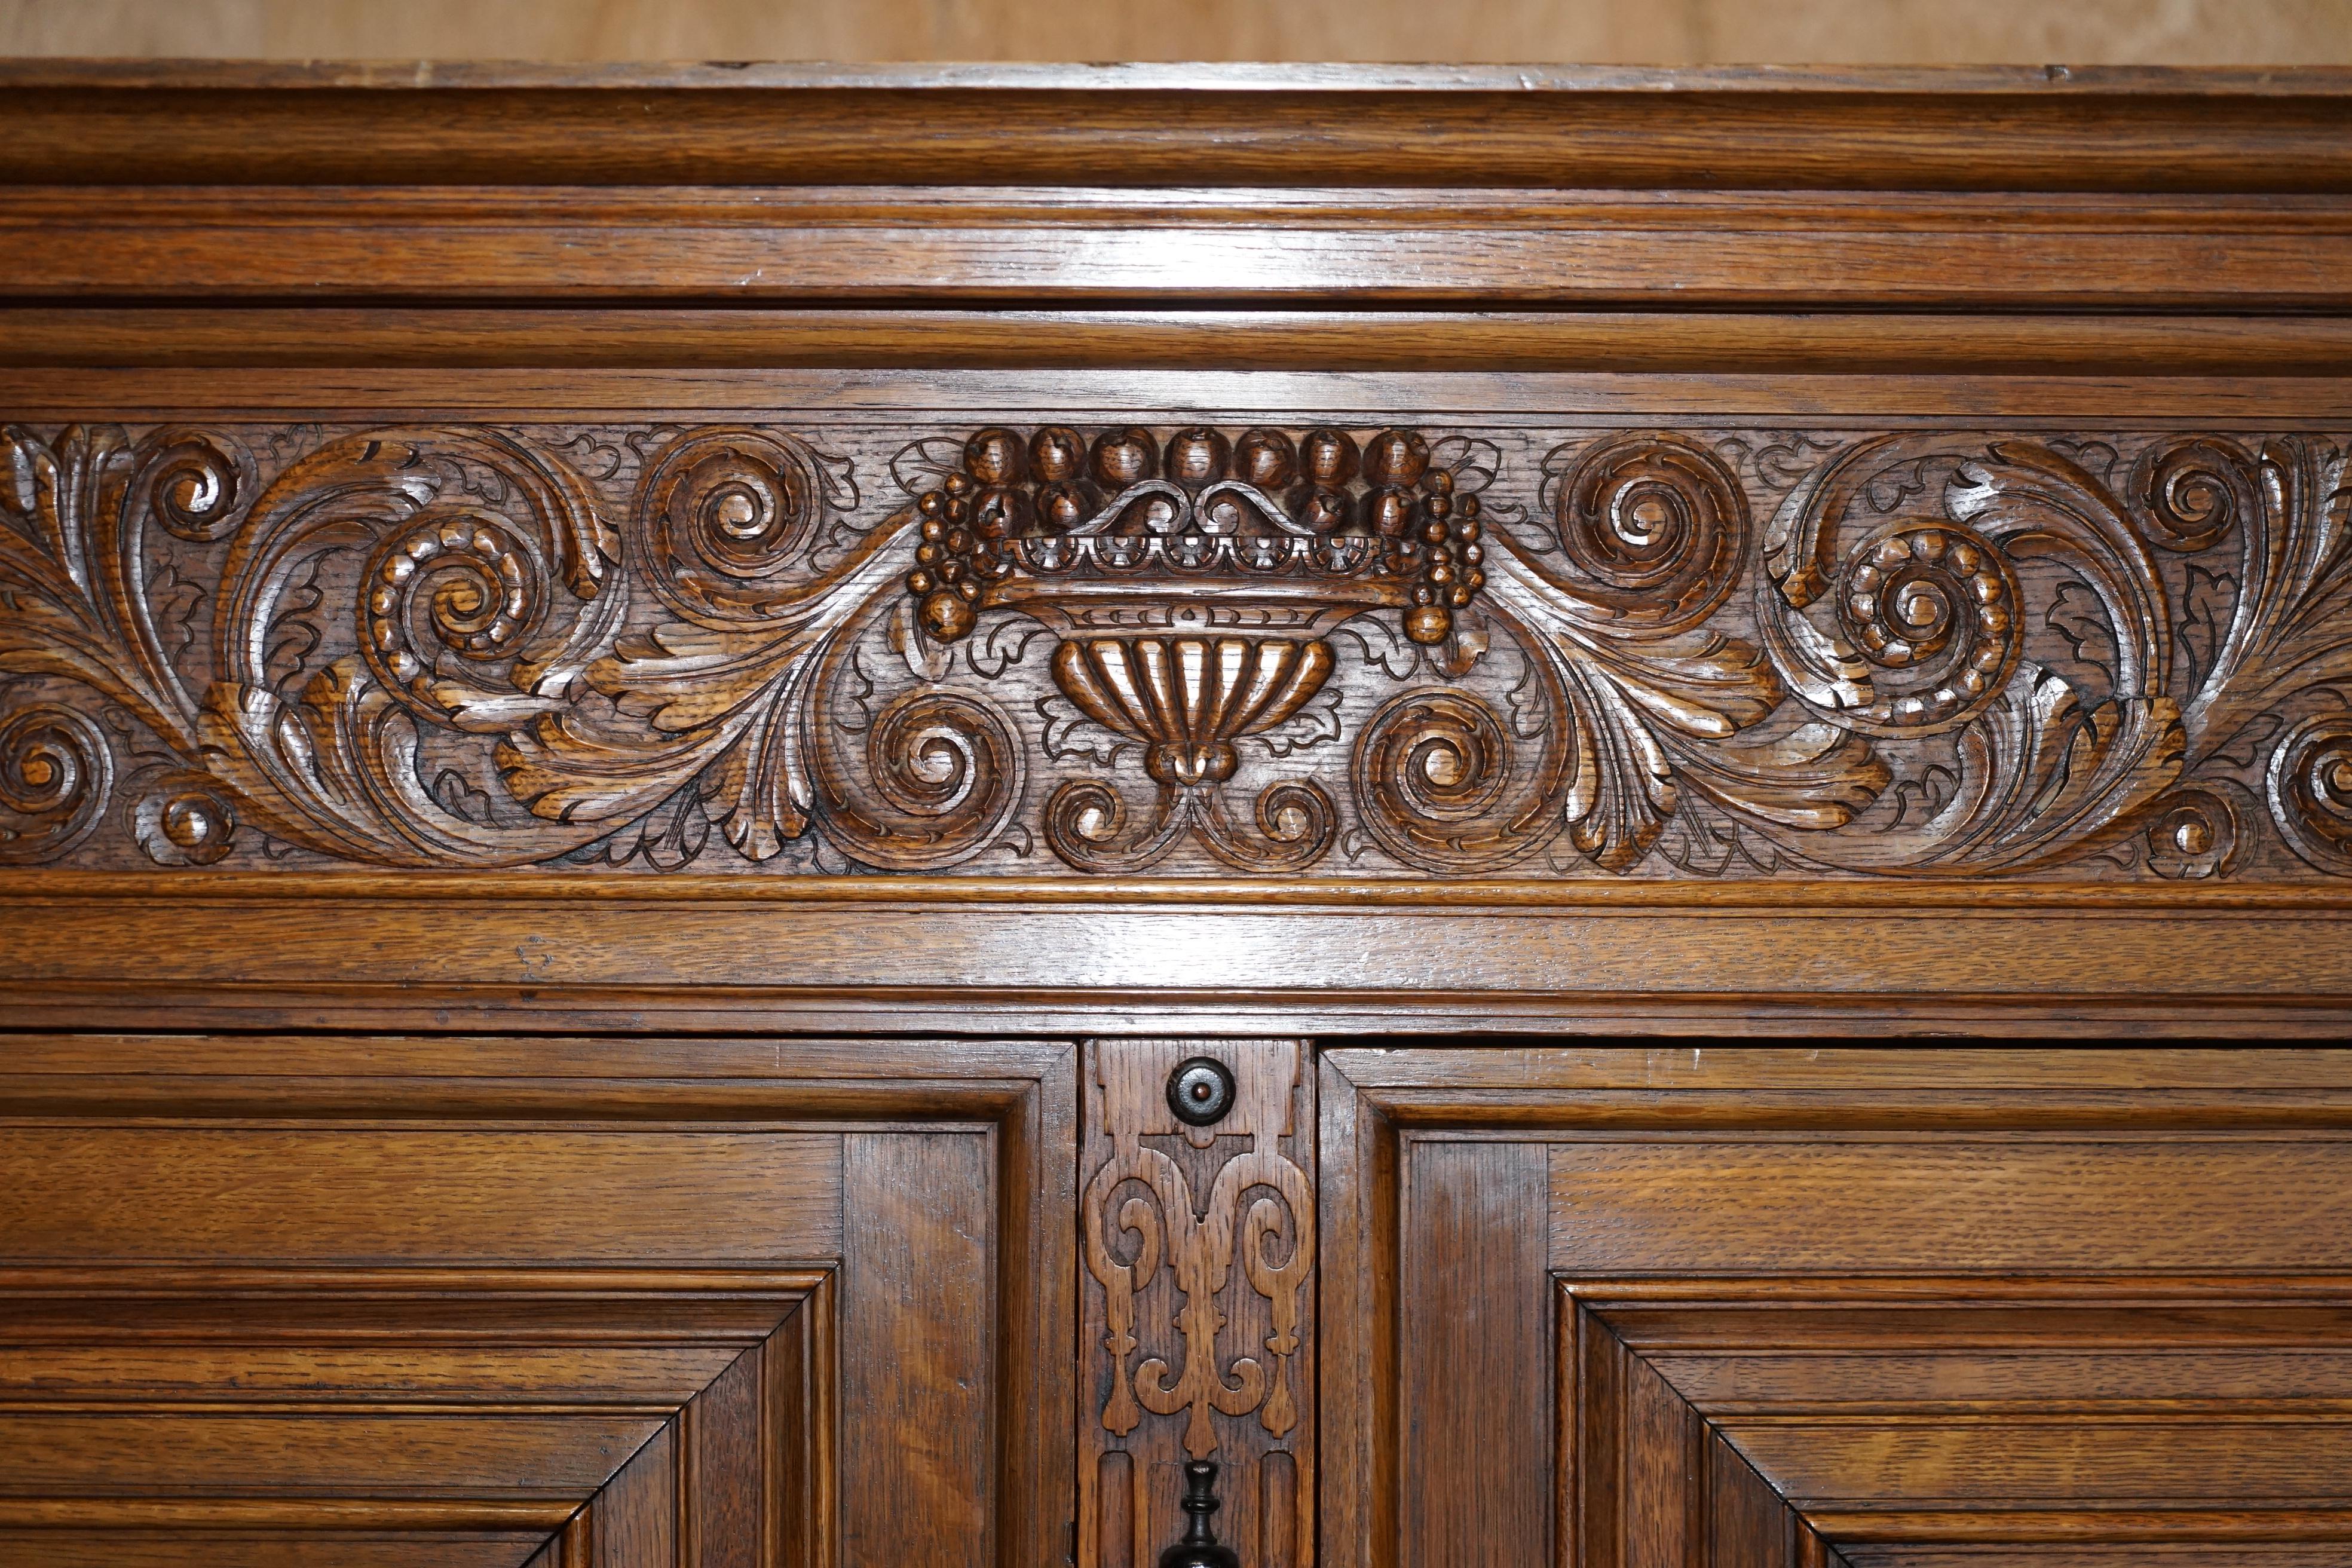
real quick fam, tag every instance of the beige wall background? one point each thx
(1655, 31)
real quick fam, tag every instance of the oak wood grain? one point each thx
(1197, 1311)
(422, 1327)
(422, 1197)
(1888, 1306)
(2015, 130)
(916, 1376)
(1212, 339)
(2170, 1206)
(448, 515)
(636, 1513)
(720, 1443)
(1628, 960)
(1893, 398)
(293, 1414)
(2040, 1468)
(506, 249)
(1474, 1337)
(1356, 1311)
(67, 1548)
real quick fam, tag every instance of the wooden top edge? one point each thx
(1327, 895)
(1765, 128)
(239, 75)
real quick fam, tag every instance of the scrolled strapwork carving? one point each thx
(1374, 649)
(1258, 1210)
(1199, 1241)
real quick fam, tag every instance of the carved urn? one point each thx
(1191, 580)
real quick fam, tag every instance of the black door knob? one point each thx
(1199, 1549)
(1201, 1090)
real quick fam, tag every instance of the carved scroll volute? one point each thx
(1199, 1243)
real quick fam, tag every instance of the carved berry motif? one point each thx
(1198, 507)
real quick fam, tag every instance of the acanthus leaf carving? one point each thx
(1943, 653)
(484, 575)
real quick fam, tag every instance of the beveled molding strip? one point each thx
(2224, 256)
(1317, 895)
(1379, 653)
(1618, 342)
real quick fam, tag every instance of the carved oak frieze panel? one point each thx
(1391, 650)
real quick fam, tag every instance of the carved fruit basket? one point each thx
(1194, 584)
(1192, 589)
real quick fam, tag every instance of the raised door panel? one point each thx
(1780, 1310)
(574, 1304)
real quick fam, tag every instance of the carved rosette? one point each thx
(1199, 1244)
(1378, 650)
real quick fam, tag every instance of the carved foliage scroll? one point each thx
(1198, 1245)
(1362, 651)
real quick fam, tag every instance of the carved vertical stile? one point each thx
(1197, 1317)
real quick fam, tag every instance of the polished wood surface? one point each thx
(1196, 1319)
(1632, 1306)
(2149, 499)
(415, 1299)
(2234, 253)
(977, 958)
(782, 337)
(585, 658)
(1463, 649)
(1562, 128)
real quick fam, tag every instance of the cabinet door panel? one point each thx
(1790, 1308)
(701, 1306)
(916, 1379)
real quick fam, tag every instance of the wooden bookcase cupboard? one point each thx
(757, 817)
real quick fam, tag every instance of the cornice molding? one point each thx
(2052, 128)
